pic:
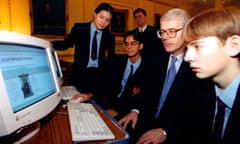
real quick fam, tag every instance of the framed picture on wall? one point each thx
(119, 23)
(48, 17)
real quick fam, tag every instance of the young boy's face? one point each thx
(208, 57)
(102, 19)
(132, 46)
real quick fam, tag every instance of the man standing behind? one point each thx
(152, 44)
(94, 47)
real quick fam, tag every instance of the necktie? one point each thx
(167, 84)
(94, 46)
(131, 72)
(219, 119)
(127, 81)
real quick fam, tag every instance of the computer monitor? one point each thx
(29, 84)
(57, 66)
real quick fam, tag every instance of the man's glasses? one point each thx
(171, 33)
(133, 43)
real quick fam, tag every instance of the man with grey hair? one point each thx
(169, 111)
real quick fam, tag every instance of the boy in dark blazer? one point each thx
(124, 86)
(213, 47)
(125, 83)
(89, 72)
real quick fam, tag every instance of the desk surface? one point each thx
(55, 129)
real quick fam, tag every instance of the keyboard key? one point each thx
(86, 123)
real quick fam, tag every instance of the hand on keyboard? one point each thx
(82, 97)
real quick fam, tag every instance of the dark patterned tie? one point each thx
(94, 46)
(219, 119)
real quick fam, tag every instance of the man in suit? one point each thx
(89, 66)
(125, 77)
(153, 48)
(213, 47)
(168, 117)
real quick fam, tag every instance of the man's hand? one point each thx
(154, 136)
(131, 117)
(84, 96)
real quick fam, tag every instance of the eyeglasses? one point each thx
(133, 43)
(171, 33)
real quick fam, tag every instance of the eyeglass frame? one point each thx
(171, 33)
(132, 43)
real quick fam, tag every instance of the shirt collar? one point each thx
(135, 65)
(179, 60)
(144, 28)
(93, 29)
(228, 95)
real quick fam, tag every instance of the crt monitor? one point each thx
(29, 83)
(57, 67)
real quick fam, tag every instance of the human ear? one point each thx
(235, 45)
(141, 46)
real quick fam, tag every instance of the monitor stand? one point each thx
(24, 135)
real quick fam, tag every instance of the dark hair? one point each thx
(104, 6)
(135, 34)
(139, 10)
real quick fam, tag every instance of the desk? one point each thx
(55, 129)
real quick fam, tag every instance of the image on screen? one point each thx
(27, 74)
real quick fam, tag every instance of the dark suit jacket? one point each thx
(153, 47)
(178, 116)
(79, 37)
(206, 111)
(130, 95)
(232, 131)
(231, 135)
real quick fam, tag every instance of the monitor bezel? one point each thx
(10, 121)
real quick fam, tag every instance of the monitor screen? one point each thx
(29, 82)
(26, 73)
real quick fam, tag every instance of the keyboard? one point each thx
(67, 92)
(86, 123)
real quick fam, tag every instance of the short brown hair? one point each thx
(221, 23)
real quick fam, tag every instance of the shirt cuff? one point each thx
(135, 110)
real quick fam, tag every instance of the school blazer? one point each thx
(232, 131)
(130, 95)
(79, 37)
(206, 104)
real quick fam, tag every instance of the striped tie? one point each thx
(219, 119)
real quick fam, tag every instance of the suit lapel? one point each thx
(232, 131)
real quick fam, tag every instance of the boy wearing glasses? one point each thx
(125, 78)
(213, 47)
